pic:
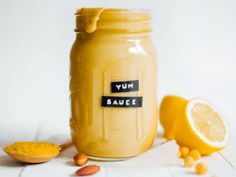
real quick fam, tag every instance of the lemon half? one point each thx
(200, 126)
(195, 124)
(170, 108)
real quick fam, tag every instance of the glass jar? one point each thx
(113, 83)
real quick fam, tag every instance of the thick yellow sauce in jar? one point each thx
(113, 83)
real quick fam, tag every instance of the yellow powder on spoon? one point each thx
(33, 149)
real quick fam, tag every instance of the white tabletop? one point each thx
(161, 160)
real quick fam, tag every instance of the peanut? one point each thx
(80, 159)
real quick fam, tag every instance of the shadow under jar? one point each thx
(113, 83)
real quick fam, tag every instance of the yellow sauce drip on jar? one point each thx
(91, 17)
(113, 83)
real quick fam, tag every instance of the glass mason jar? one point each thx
(113, 83)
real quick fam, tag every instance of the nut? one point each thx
(88, 170)
(80, 159)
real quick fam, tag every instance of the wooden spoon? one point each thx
(38, 158)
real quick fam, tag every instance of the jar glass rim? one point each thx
(135, 10)
(117, 13)
(93, 19)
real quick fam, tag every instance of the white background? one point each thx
(195, 40)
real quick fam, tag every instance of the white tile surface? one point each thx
(160, 160)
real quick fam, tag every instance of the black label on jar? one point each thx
(125, 86)
(112, 101)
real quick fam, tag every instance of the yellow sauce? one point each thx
(90, 21)
(113, 83)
